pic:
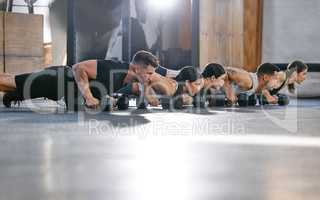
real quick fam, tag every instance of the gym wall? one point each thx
(291, 30)
(55, 26)
(230, 32)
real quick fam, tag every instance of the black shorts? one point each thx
(57, 82)
(51, 83)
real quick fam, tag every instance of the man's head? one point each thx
(215, 75)
(267, 74)
(144, 64)
(192, 80)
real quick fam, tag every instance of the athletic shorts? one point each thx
(51, 83)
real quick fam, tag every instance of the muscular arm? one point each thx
(240, 77)
(151, 96)
(158, 85)
(149, 93)
(83, 72)
(7, 83)
(163, 85)
(271, 99)
(230, 93)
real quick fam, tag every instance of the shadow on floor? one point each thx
(191, 111)
(29, 117)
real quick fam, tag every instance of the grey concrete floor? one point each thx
(252, 153)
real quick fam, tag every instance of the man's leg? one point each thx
(7, 83)
(9, 86)
(48, 83)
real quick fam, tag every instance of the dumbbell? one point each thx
(252, 100)
(165, 102)
(243, 100)
(199, 101)
(106, 103)
(122, 102)
(168, 103)
(141, 103)
(218, 100)
(283, 100)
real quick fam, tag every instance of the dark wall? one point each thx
(94, 22)
(2, 5)
(98, 25)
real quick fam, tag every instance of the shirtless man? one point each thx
(161, 89)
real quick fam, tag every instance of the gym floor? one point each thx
(224, 153)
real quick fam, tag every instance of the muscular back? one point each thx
(163, 85)
(239, 77)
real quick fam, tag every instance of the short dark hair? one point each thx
(145, 59)
(267, 69)
(188, 74)
(213, 69)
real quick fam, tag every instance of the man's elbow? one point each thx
(78, 70)
(87, 68)
(77, 67)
